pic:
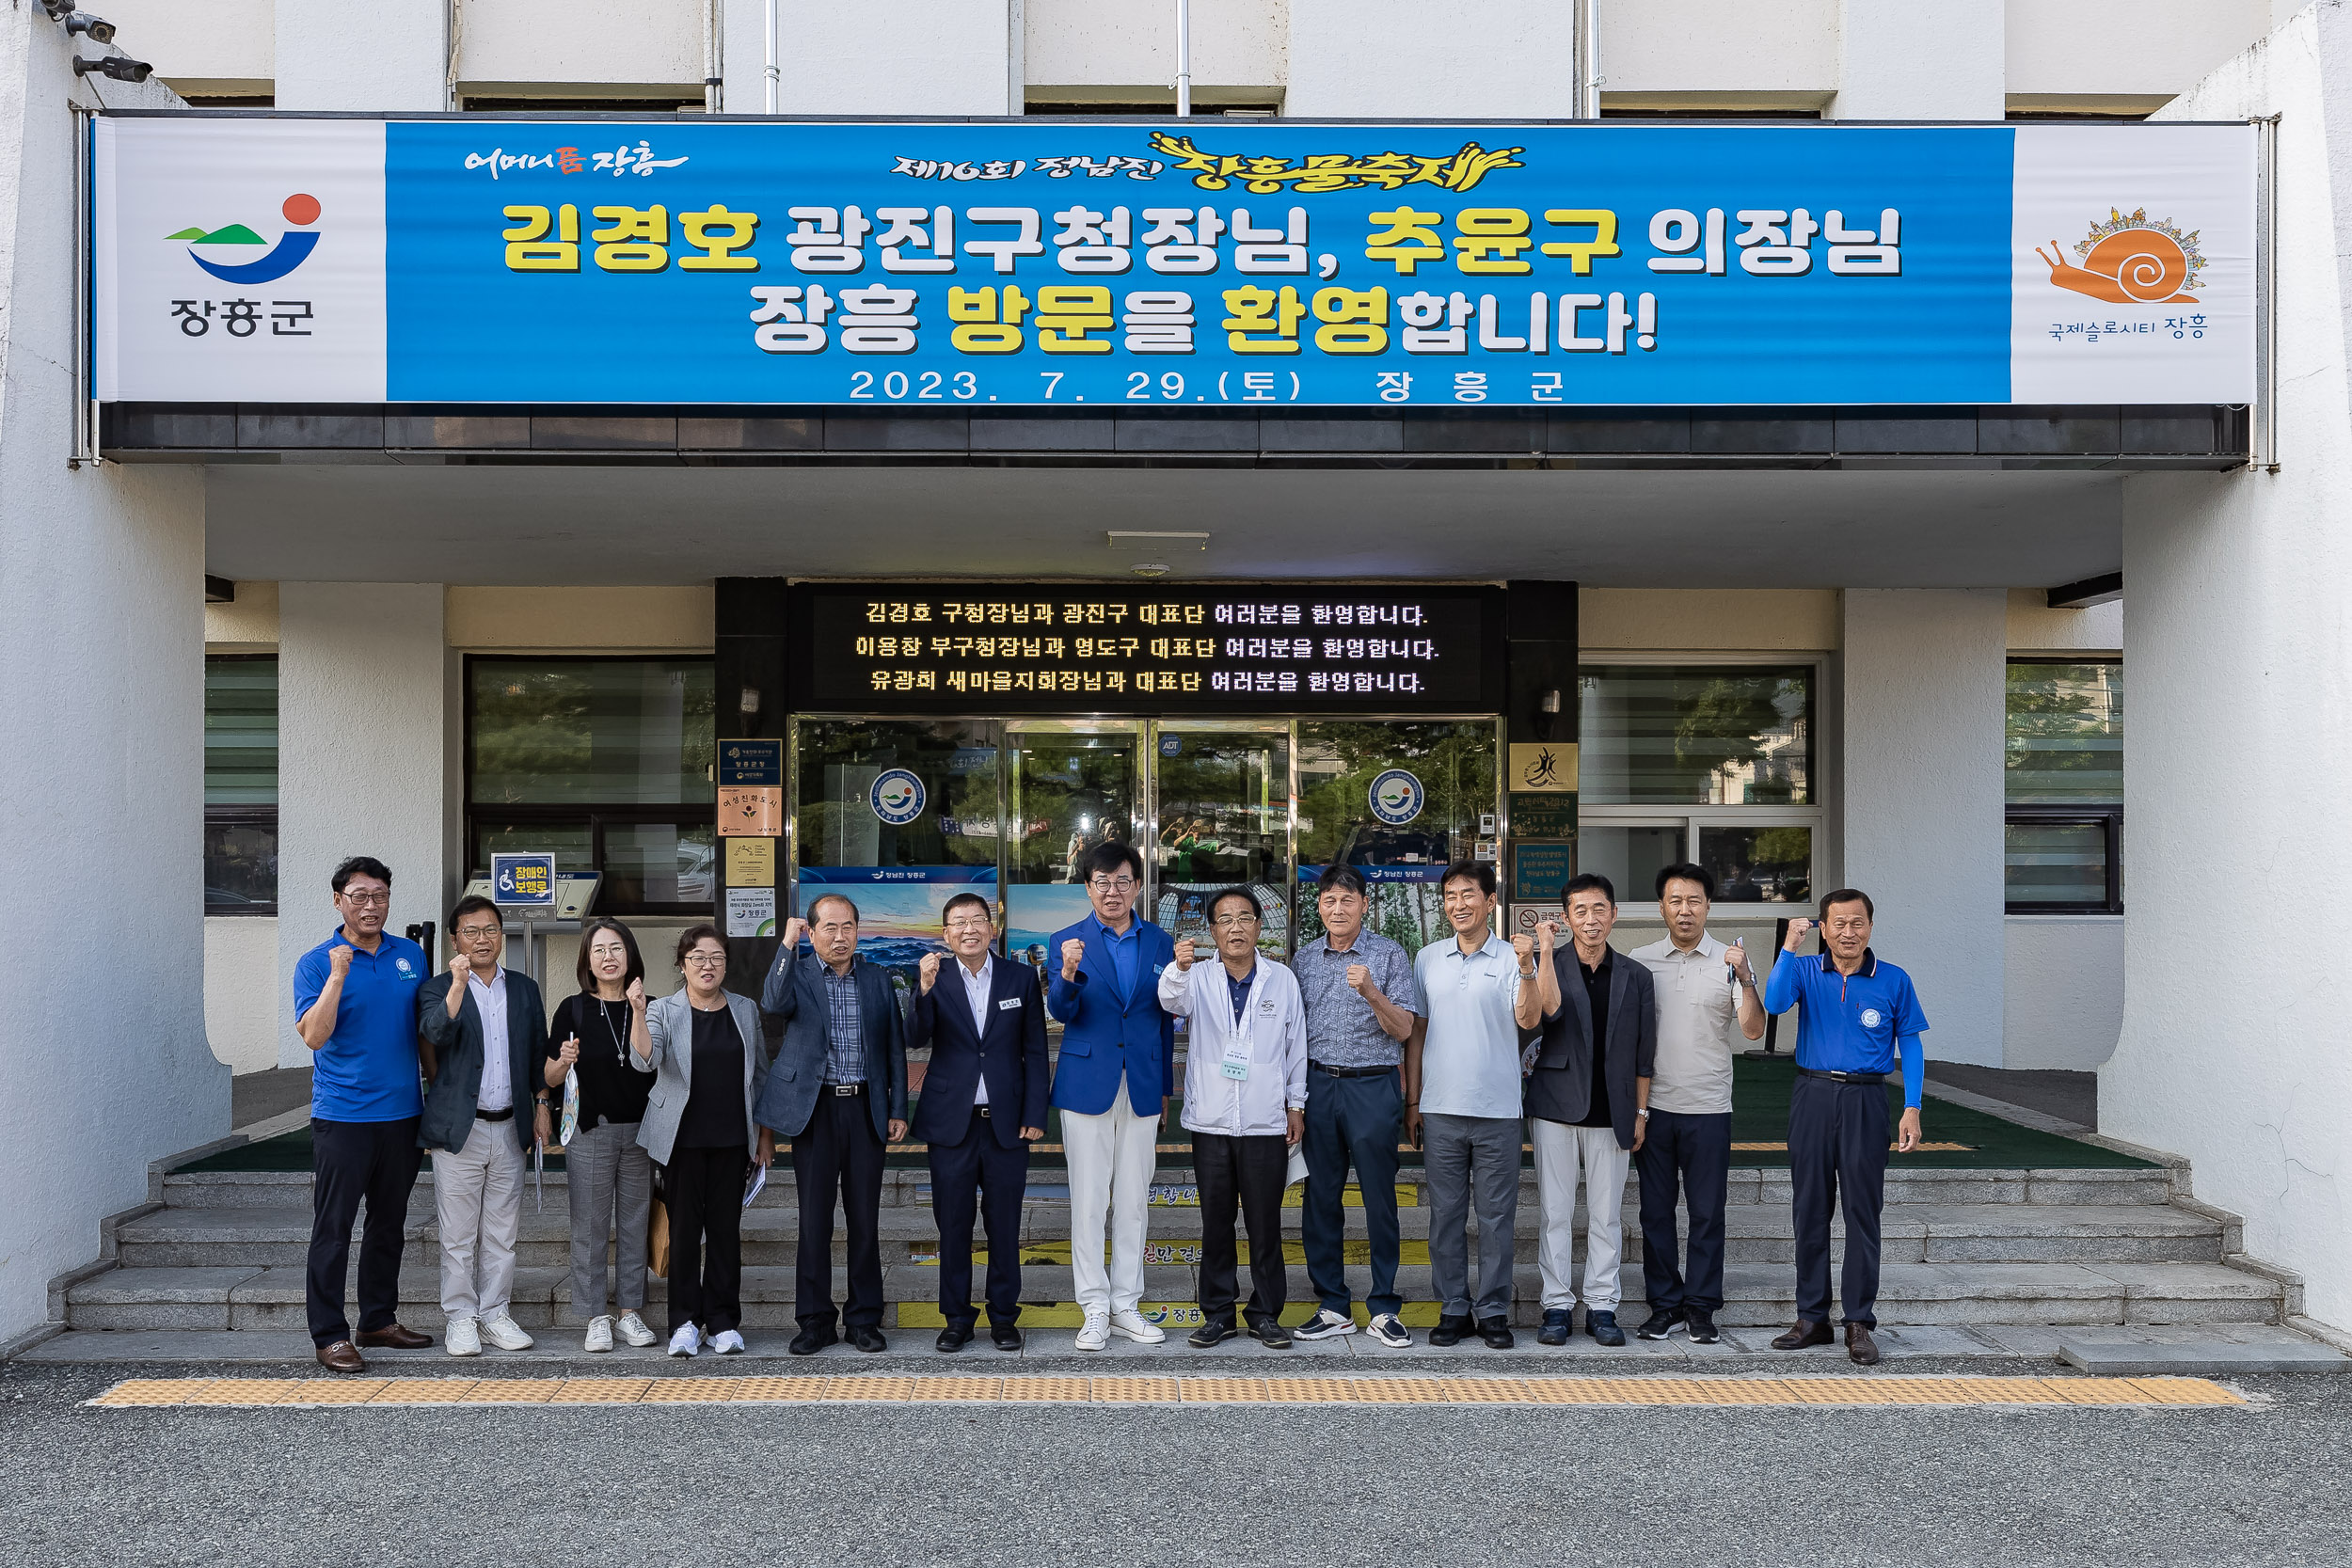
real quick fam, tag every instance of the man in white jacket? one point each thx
(1245, 1104)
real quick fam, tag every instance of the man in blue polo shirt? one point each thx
(1859, 1012)
(356, 1007)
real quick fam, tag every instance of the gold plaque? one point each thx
(1543, 766)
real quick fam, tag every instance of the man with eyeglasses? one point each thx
(1111, 1085)
(983, 1103)
(1244, 1104)
(354, 998)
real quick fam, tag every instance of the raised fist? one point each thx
(794, 929)
(1073, 953)
(1524, 946)
(1359, 979)
(1798, 931)
(459, 970)
(1549, 933)
(339, 961)
(1737, 957)
(637, 993)
(1185, 953)
(928, 972)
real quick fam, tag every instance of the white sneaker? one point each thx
(462, 1337)
(599, 1334)
(727, 1343)
(1132, 1324)
(1390, 1331)
(688, 1340)
(633, 1329)
(1325, 1325)
(1097, 1332)
(504, 1333)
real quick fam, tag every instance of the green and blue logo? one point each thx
(897, 797)
(228, 253)
(1397, 797)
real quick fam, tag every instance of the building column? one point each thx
(370, 761)
(2237, 647)
(384, 55)
(1922, 721)
(1921, 59)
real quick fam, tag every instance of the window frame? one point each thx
(2108, 814)
(246, 814)
(1693, 817)
(595, 815)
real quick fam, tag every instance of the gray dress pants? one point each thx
(610, 1181)
(1463, 1157)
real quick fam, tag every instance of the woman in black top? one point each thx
(610, 1178)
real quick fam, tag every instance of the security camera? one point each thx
(57, 9)
(120, 68)
(98, 27)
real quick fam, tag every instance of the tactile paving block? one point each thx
(1404, 1390)
(1311, 1390)
(1046, 1390)
(425, 1391)
(956, 1389)
(2186, 1390)
(512, 1390)
(1135, 1390)
(141, 1392)
(1846, 1390)
(331, 1391)
(886, 1388)
(1489, 1391)
(243, 1390)
(1738, 1390)
(772, 1390)
(2094, 1390)
(1223, 1390)
(690, 1390)
(600, 1390)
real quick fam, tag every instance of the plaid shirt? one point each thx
(845, 1031)
(1342, 1029)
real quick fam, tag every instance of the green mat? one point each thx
(1760, 1115)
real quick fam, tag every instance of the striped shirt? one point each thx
(845, 1030)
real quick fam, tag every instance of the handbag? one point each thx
(658, 1238)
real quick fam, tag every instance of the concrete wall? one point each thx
(241, 1000)
(383, 54)
(1920, 59)
(581, 42)
(102, 697)
(1919, 792)
(2061, 990)
(579, 619)
(2240, 651)
(2076, 50)
(1678, 51)
(1762, 619)
(1099, 47)
(367, 710)
(222, 46)
(1432, 58)
(2034, 628)
(882, 57)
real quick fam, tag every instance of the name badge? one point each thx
(1236, 1063)
(1008, 1003)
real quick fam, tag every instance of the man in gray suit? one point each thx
(839, 1090)
(1587, 1098)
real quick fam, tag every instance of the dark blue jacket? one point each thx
(1011, 1056)
(1102, 1037)
(796, 993)
(457, 1048)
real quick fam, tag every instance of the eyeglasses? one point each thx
(474, 933)
(706, 961)
(1112, 884)
(971, 925)
(1233, 921)
(365, 898)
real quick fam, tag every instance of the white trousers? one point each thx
(1111, 1160)
(1562, 1154)
(478, 1201)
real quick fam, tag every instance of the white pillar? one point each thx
(882, 57)
(382, 55)
(368, 764)
(1432, 58)
(1921, 59)
(2236, 651)
(102, 672)
(1922, 672)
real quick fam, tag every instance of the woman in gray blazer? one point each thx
(708, 1061)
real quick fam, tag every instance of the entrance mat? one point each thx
(297, 1393)
(1957, 1139)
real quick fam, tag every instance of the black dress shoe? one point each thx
(808, 1341)
(1004, 1336)
(1603, 1327)
(394, 1337)
(1271, 1334)
(1703, 1329)
(1497, 1333)
(1805, 1335)
(954, 1337)
(869, 1339)
(1860, 1346)
(1209, 1336)
(1556, 1326)
(1659, 1324)
(1450, 1331)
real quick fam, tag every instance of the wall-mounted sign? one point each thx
(1541, 870)
(751, 911)
(1542, 767)
(754, 810)
(1124, 266)
(523, 882)
(751, 762)
(1543, 815)
(1118, 648)
(751, 862)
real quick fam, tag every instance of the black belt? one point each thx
(1843, 1077)
(481, 1115)
(1351, 1071)
(982, 1110)
(845, 1089)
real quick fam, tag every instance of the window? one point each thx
(605, 762)
(1711, 763)
(240, 784)
(2063, 762)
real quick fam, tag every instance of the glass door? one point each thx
(1222, 798)
(1071, 786)
(1399, 800)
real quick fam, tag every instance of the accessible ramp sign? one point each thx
(1168, 264)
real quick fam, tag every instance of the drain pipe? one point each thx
(1183, 59)
(775, 76)
(714, 58)
(1587, 105)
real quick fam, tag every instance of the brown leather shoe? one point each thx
(1859, 1345)
(1807, 1333)
(341, 1357)
(394, 1337)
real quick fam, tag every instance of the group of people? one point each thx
(1617, 1061)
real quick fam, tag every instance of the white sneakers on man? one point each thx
(1325, 1324)
(688, 1340)
(461, 1337)
(727, 1343)
(1096, 1332)
(600, 1335)
(504, 1333)
(1132, 1324)
(1390, 1331)
(633, 1329)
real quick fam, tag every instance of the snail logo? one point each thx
(897, 797)
(231, 249)
(2131, 259)
(1397, 797)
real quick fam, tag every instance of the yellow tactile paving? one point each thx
(1826, 1392)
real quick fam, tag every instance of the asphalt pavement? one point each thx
(1262, 1485)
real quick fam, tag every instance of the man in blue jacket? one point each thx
(983, 1102)
(1111, 1085)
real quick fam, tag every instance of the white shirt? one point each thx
(1273, 1022)
(498, 1073)
(1698, 1023)
(975, 989)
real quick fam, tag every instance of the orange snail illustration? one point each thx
(2131, 259)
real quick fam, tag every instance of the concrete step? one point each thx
(264, 1298)
(279, 1235)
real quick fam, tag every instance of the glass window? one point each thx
(240, 784)
(1629, 856)
(2059, 864)
(1695, 735)
(1757, 866)
(2065, 742)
